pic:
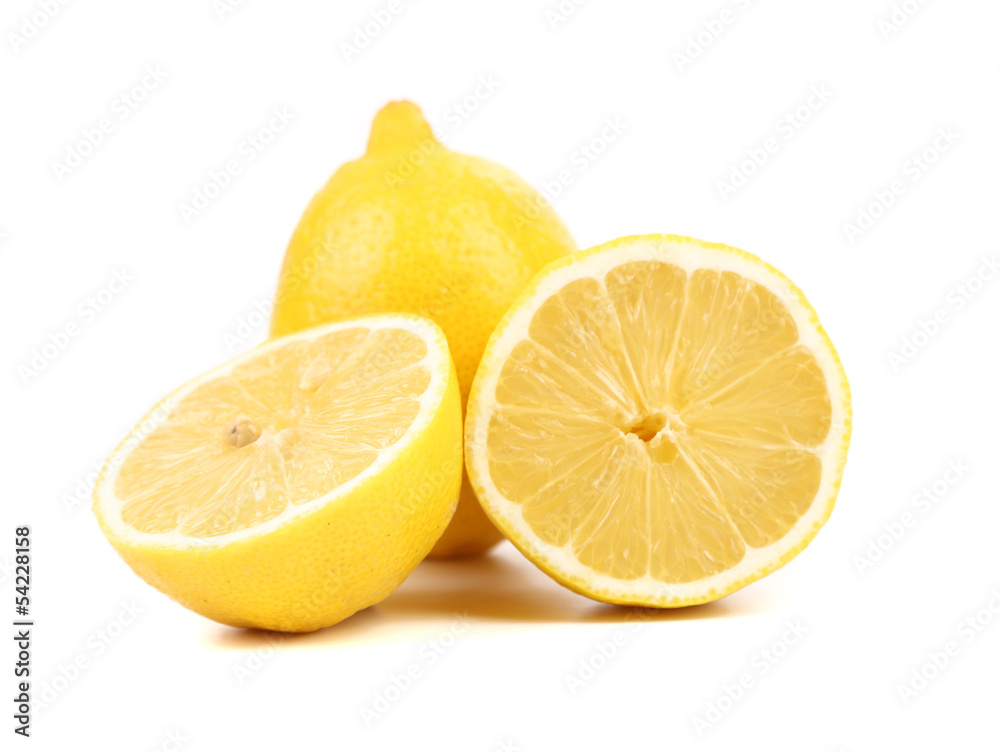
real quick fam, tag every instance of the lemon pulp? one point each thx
(322, 412)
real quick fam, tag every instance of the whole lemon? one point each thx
(417, 228)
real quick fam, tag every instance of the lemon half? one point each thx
(298, 483)
(659, 421)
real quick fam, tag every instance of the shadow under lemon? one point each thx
(500, 588)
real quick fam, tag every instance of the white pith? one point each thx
(108, 505)
(689, 255)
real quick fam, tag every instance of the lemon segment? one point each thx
(659, 421)
(298, 483)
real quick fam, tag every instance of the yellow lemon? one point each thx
(659, 421)
(298, 483)
(413, 226)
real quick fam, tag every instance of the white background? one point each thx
(503, 684)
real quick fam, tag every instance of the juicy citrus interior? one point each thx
(651, 419)
(279, 430)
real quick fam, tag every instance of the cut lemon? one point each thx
(297, 484)
(659, 421)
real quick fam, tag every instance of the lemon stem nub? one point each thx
(241, 432)
(400, 126)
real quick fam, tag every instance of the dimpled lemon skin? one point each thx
(331, 563)
(415, 227)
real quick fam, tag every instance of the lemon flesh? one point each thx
(659, 421)
(297, 484)
(413, 226)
